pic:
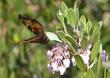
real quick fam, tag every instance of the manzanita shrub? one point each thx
(78, 44)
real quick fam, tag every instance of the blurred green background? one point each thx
(30, 60)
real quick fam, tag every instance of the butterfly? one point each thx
(37, 28)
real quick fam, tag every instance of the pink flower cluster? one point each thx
(59, 57)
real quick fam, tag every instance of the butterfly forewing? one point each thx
(32, 24)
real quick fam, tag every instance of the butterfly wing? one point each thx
(32, 24)
(35, 27)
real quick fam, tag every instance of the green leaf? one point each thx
(84, 43)
(64, 9)
(82, 23)
(100, 23)
(71, 32)
(96, 49)
(80, 63)
(83, 19)
(90, 74)
(89, 25)
(71, 40)
(75, 6)
(60, 16)
(96, 31)
(76, 11)
(61, 35)
(53, 36)
(71, 17)
(77, 16)
(72, 43)
(99, 64)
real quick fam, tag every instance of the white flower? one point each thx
(85, 54)
(50, 68)
(54, 66)
(62, 70)
(49, 53)
(66, 62)
(73, 61)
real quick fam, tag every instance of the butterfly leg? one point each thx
(34, 39)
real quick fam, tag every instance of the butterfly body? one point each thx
(34, 26)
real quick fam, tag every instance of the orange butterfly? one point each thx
(34, 26)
